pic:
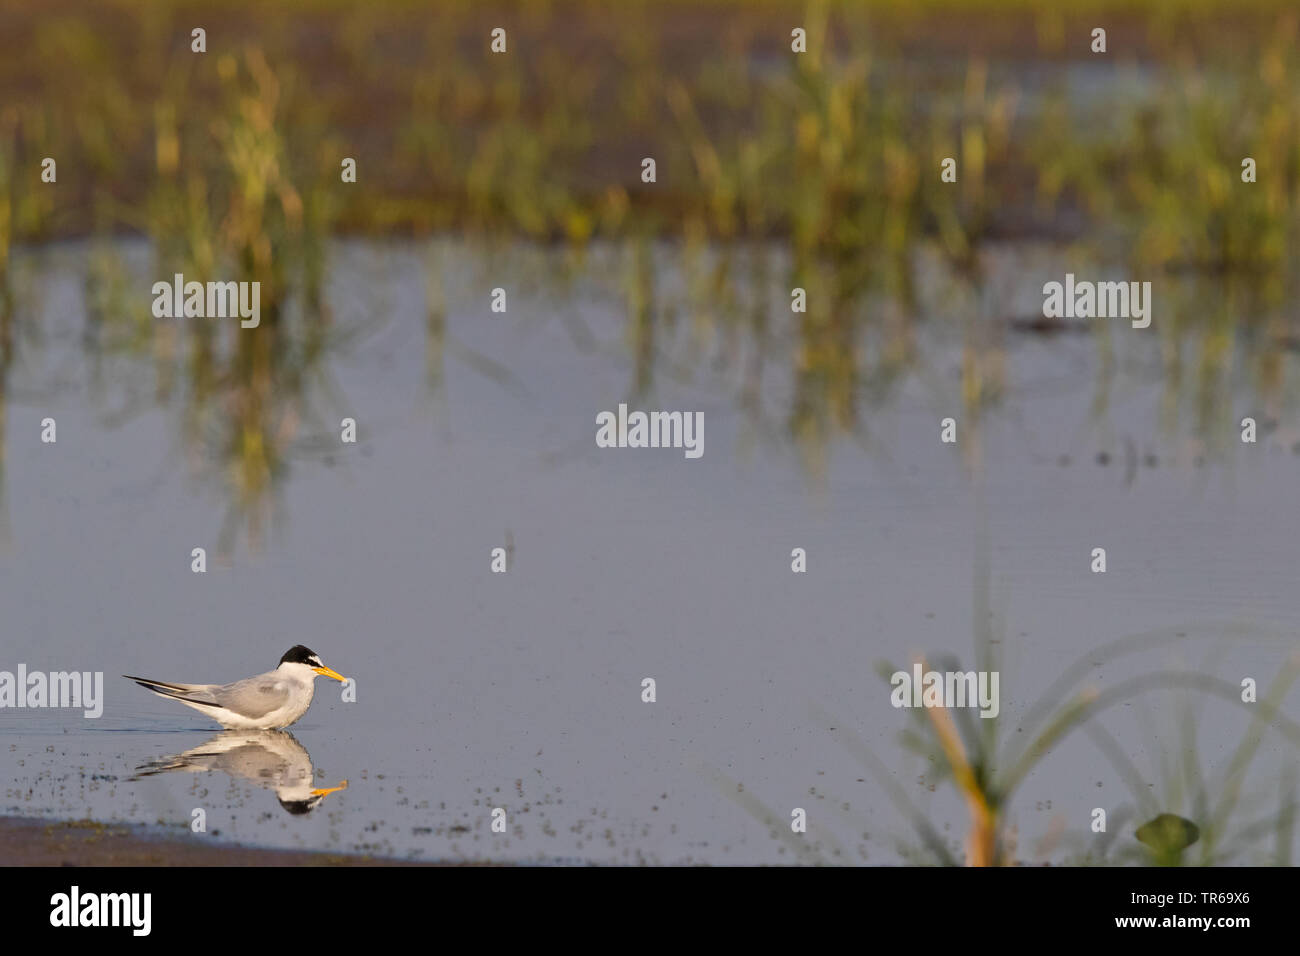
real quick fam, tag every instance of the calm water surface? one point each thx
(523, 691)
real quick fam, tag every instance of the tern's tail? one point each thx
(154, 767)
(189, 693)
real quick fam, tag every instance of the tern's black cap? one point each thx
(300, 655)
(299, 807)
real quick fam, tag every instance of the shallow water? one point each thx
(523, 690)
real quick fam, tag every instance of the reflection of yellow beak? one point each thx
(326, 672)
(328, 790)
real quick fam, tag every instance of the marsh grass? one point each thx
(235, 155)
(229, 164)
(1214, 799)
(986, 764)
(985, 761)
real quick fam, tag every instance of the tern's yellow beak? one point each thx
(328, 790)
(326, 672)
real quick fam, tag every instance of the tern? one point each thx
(268, 758)
(269, 701)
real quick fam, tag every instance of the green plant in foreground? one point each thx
(987, 774)
(1167, 836)
(987, 771)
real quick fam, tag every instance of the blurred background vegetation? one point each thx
(837, 149)
(231, 159)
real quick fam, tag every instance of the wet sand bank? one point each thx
(27, 841)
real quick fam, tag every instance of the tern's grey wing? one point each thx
(202, 693)
(254, 697)
(268, 757)
(271, 759)
(255, 763)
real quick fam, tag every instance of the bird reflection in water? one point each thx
(269, 758)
